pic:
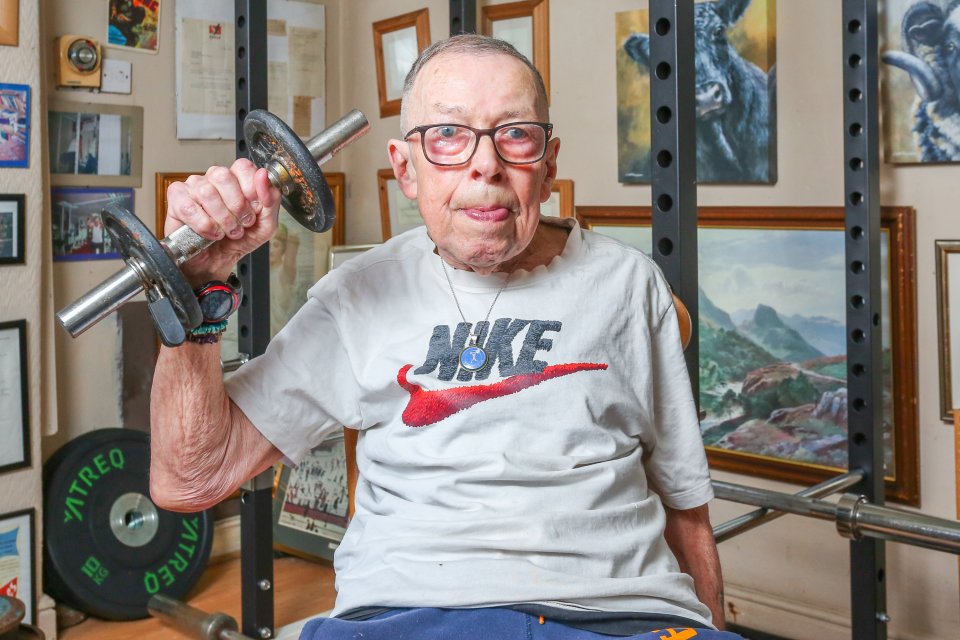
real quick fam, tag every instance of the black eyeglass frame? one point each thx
(479, 133)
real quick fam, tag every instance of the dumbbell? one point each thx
(153, 265)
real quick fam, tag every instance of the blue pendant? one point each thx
(473, 358)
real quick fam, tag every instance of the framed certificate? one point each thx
(14, 415)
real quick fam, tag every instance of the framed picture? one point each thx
(338, 186)
(95, 144)
(164, 180)
(11, 228)
(736, 118)
(396, 44)
(310, 506)
(17, 560)
(339, 255)
(773, 360)
(560, 203)
(14, 399)
(78, 232)
(134, 25)
(14, 125)
(397, 212)
(525, 25)
(948, 325)
(10, 22)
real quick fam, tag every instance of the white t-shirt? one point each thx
(529, 481)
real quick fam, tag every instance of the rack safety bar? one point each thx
(754, 519)
(854, 516)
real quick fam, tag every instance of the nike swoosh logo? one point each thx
(429, 407)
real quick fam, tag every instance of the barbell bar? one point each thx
(152, 265)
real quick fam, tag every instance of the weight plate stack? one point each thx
(107, 547)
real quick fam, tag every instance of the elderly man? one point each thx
(530, 459)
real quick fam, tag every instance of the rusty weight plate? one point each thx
(309, 199)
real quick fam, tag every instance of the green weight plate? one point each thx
(107, 547)
(135, 242)
(309, 200)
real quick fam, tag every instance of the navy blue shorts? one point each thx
(474, 624)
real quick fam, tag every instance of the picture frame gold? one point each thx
(948, 325)
(397, 42)
(561, 202)
(10, 22)
(525, 25)
(162, 180)
(397, 213)
(900, 304)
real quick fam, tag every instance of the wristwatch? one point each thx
(218, 299)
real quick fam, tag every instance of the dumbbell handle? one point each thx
(185, 243)
(193, 621)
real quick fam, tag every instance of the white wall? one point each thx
(791, 576)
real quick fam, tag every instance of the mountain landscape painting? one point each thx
(772, 337)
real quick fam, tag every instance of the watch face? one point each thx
(216, 304)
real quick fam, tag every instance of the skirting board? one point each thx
(788, 618)
(226, 539)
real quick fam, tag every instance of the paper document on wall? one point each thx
(296, 76)
(11, 398)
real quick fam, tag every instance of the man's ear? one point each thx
(550, 160)
(398, 152)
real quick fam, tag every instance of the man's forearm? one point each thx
(690, 537)
(202, 446)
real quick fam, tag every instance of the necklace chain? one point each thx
(475, 332)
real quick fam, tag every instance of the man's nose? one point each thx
(485, 161)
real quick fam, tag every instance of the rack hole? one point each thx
(858, 336)
(854, 61)
(664, 114)
(665, 203)
(243, 268)
(856, 266)
(856, 164)
(664, 158)
(859, 404)
(241, 83)
(241, 52)
(663, 70)
(856, 198)
(856, 129)
(662, 27)
(876, 319)
(242, 113)
(242, 145)
(241, 21)
(856, 232)
(853, 26)
(859, 439)
(244, 331)
(858, 369)
(856, 95)
(665, 246)
(857, 302)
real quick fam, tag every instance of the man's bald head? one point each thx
(474, 45)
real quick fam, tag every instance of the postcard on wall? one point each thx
(134, 24)
(14, 125)
(78, 232)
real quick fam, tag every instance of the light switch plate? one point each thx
(116, 76)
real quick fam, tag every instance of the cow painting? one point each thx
(923, 121)
(735, 97)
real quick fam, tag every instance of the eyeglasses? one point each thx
(452, 144)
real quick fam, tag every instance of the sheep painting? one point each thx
(922, 80)
(735, 92)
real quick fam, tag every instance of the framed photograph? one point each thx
(525, 25)
(310, 506)
(78, 232)
(14, 400)
(397, 212)
(14, 125)
(17, 560)
(10, 22)
(95, 144)
(948, 325)
(736, 118)
(560, 203)
(12, 228)
(397, 42)
(773, 346)
(339, 255)
(134, 25)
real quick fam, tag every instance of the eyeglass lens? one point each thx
(450, 144)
